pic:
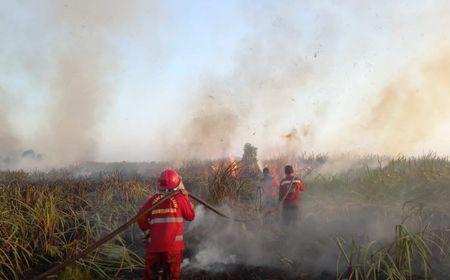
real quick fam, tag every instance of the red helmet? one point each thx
(169, 179)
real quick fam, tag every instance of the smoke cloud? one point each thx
(81, 86)
(411, 107)
(9, 142)
(78, 70)
(255, 98)
(308, 247)
(80, 97)
(278, 93)
(403, 119)
(213, 125)
(272, 91)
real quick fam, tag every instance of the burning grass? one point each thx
(384, 219)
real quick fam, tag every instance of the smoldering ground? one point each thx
(353, 205)
(308, 247)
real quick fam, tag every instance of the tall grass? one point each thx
(420, 187)
(407, 257)
(45, 221)
(46, 217)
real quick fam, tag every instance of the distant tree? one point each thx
(250, 161)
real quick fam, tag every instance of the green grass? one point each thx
(46, 217)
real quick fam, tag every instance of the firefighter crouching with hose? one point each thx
(165, 224)
(289, 196)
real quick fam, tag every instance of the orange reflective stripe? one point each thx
(164, 211)
(288, 182)
(179, 238)
(166, 220)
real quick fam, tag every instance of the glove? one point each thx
(182, 189)
(184, 192)
(181, 186)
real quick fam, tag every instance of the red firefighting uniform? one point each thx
(291, 203)
(165, 245)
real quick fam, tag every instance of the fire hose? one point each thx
(123, 227)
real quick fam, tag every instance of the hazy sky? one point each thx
(132, 77)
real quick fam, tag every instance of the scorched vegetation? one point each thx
(375, 218)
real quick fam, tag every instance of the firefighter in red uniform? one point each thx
(165, 224)
(290, 189)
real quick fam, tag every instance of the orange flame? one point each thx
(233, 165)
(215, 167)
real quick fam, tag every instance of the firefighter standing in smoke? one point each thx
(290, 189)
(269, 189)
(165, 224)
